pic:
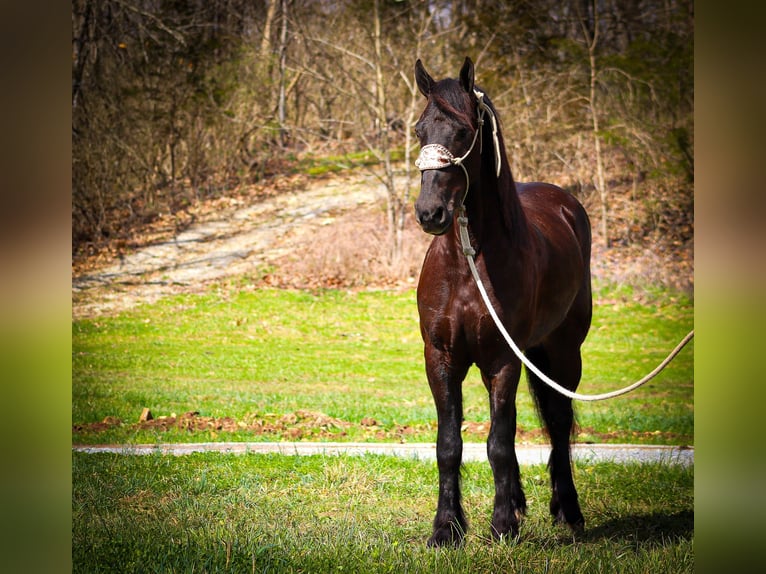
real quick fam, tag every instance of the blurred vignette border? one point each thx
(730, 282)
(35, 295)
(729, 304)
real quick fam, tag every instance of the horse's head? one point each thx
(447, 130)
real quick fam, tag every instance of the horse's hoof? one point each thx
(576, 524)
(505, 526)
(577, 527)
(446, 536)
(505, 533)
(572, 517)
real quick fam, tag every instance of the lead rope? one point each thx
(435, 156)
(469, 253)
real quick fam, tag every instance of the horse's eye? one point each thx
(462, 133)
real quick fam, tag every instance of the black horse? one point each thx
(532, 244)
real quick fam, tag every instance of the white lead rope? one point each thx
(469, 253)
(436, 156)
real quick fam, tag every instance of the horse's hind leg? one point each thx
(446, 381)
(563, 365)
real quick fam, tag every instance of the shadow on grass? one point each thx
(656, 527)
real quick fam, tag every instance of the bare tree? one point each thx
(172, 101)
(590, 32)
(284, 5)
(371, 73)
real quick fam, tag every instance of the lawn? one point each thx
(336, 365)
(269, 513)
(253, 365)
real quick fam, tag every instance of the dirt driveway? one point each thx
(326, 222)
(237, 241)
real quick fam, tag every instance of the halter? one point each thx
(436, 156)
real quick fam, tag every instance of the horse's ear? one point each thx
(423, 79)
(466, 75)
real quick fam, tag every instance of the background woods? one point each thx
(177, 101)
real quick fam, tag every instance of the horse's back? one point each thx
(563, 232)
(546, 206)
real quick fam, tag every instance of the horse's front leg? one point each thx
(510, 502)
(445, 381)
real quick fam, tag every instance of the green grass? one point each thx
(260, 355)
(270, 513)
(317, 166)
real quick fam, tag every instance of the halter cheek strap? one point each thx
(436, 156)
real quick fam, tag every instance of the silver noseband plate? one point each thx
(434, 156)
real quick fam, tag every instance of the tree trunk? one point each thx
(592, 40)
(266, 38)
(393, 206)
(282, 73)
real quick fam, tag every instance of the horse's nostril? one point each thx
(433, 217)
(436, 216)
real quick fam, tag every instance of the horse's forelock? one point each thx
(450, 98)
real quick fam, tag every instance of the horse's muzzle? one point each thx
(434, 217)
(434, 206)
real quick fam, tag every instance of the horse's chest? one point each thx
(459, 320)
(480, 333)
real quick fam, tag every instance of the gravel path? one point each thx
(242, 239)
(236, 243)
(526, 454)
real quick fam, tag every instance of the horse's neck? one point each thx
(494, 208)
